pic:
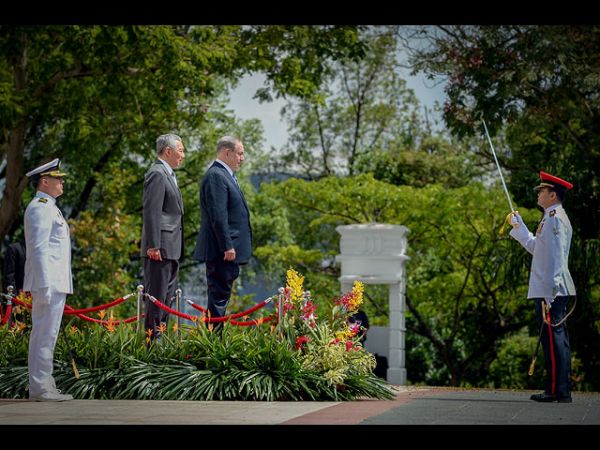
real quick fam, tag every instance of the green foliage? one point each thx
(537, 88)
(105, 243)
(510, 368)
(241, 364)
(466, 284)
(430, 160)
(196, 363)
(334, 360)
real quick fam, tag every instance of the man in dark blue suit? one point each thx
(225, 238)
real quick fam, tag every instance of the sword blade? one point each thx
(498, 165)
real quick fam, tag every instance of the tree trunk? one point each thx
(15, 180)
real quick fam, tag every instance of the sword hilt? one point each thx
(532, 367)
(75, 371)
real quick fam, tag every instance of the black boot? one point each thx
(565, 399)
(543, 397)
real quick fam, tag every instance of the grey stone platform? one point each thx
(412, 406)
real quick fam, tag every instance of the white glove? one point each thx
(548, 301)
(515, 219)
(42, 296)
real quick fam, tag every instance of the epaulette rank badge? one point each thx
(43, 200)
(552, 213)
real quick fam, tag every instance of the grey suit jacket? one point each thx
(163, 213)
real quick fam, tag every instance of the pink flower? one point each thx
(354, 329)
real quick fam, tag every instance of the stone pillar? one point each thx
(396, 373)
(375, 254)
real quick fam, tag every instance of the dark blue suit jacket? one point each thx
(225, 218)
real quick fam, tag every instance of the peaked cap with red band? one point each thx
(552, 182)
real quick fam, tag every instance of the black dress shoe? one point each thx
(543, 397)
(565, 399)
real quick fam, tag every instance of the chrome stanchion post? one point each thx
(280, 312)
(178, 308)
(10, 289)
(140, 299)
(280, 306)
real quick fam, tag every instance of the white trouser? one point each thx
(45, 324)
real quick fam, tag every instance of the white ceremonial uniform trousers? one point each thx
(45, 319)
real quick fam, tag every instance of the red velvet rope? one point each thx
(98, 308)
(6, 314)
(103, 322)
(70, 310)
(206, 319)
(171, 310)
(249, 323)
(232, 316)
(19, 302)
(197, 307)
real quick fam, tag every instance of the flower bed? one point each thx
(303, 357)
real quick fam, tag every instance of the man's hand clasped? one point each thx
(229, 255)
(154, 254)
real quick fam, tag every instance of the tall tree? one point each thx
(96, 94)
(363, 106)
(538, 86)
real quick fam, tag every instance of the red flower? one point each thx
(349, 345)
(300, 340)
(308, 310)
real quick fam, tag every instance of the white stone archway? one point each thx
(375, 254)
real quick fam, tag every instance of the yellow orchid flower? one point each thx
(294, 281)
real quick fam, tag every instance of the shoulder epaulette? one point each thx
(552, 213)
(43, 200)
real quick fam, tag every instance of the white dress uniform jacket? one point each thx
(549, 275)
(48, 259)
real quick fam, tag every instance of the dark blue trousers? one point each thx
(558, 361)
(220, 276)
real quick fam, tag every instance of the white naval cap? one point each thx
(50, 169)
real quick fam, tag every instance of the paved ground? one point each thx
(412, 406)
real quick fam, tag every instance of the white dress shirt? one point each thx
(170, 170)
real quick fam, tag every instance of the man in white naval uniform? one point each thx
(550, 283)
(47, 276)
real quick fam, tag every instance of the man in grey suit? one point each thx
(225, 238)
(162, 232)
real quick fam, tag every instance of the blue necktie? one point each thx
(235, 178)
